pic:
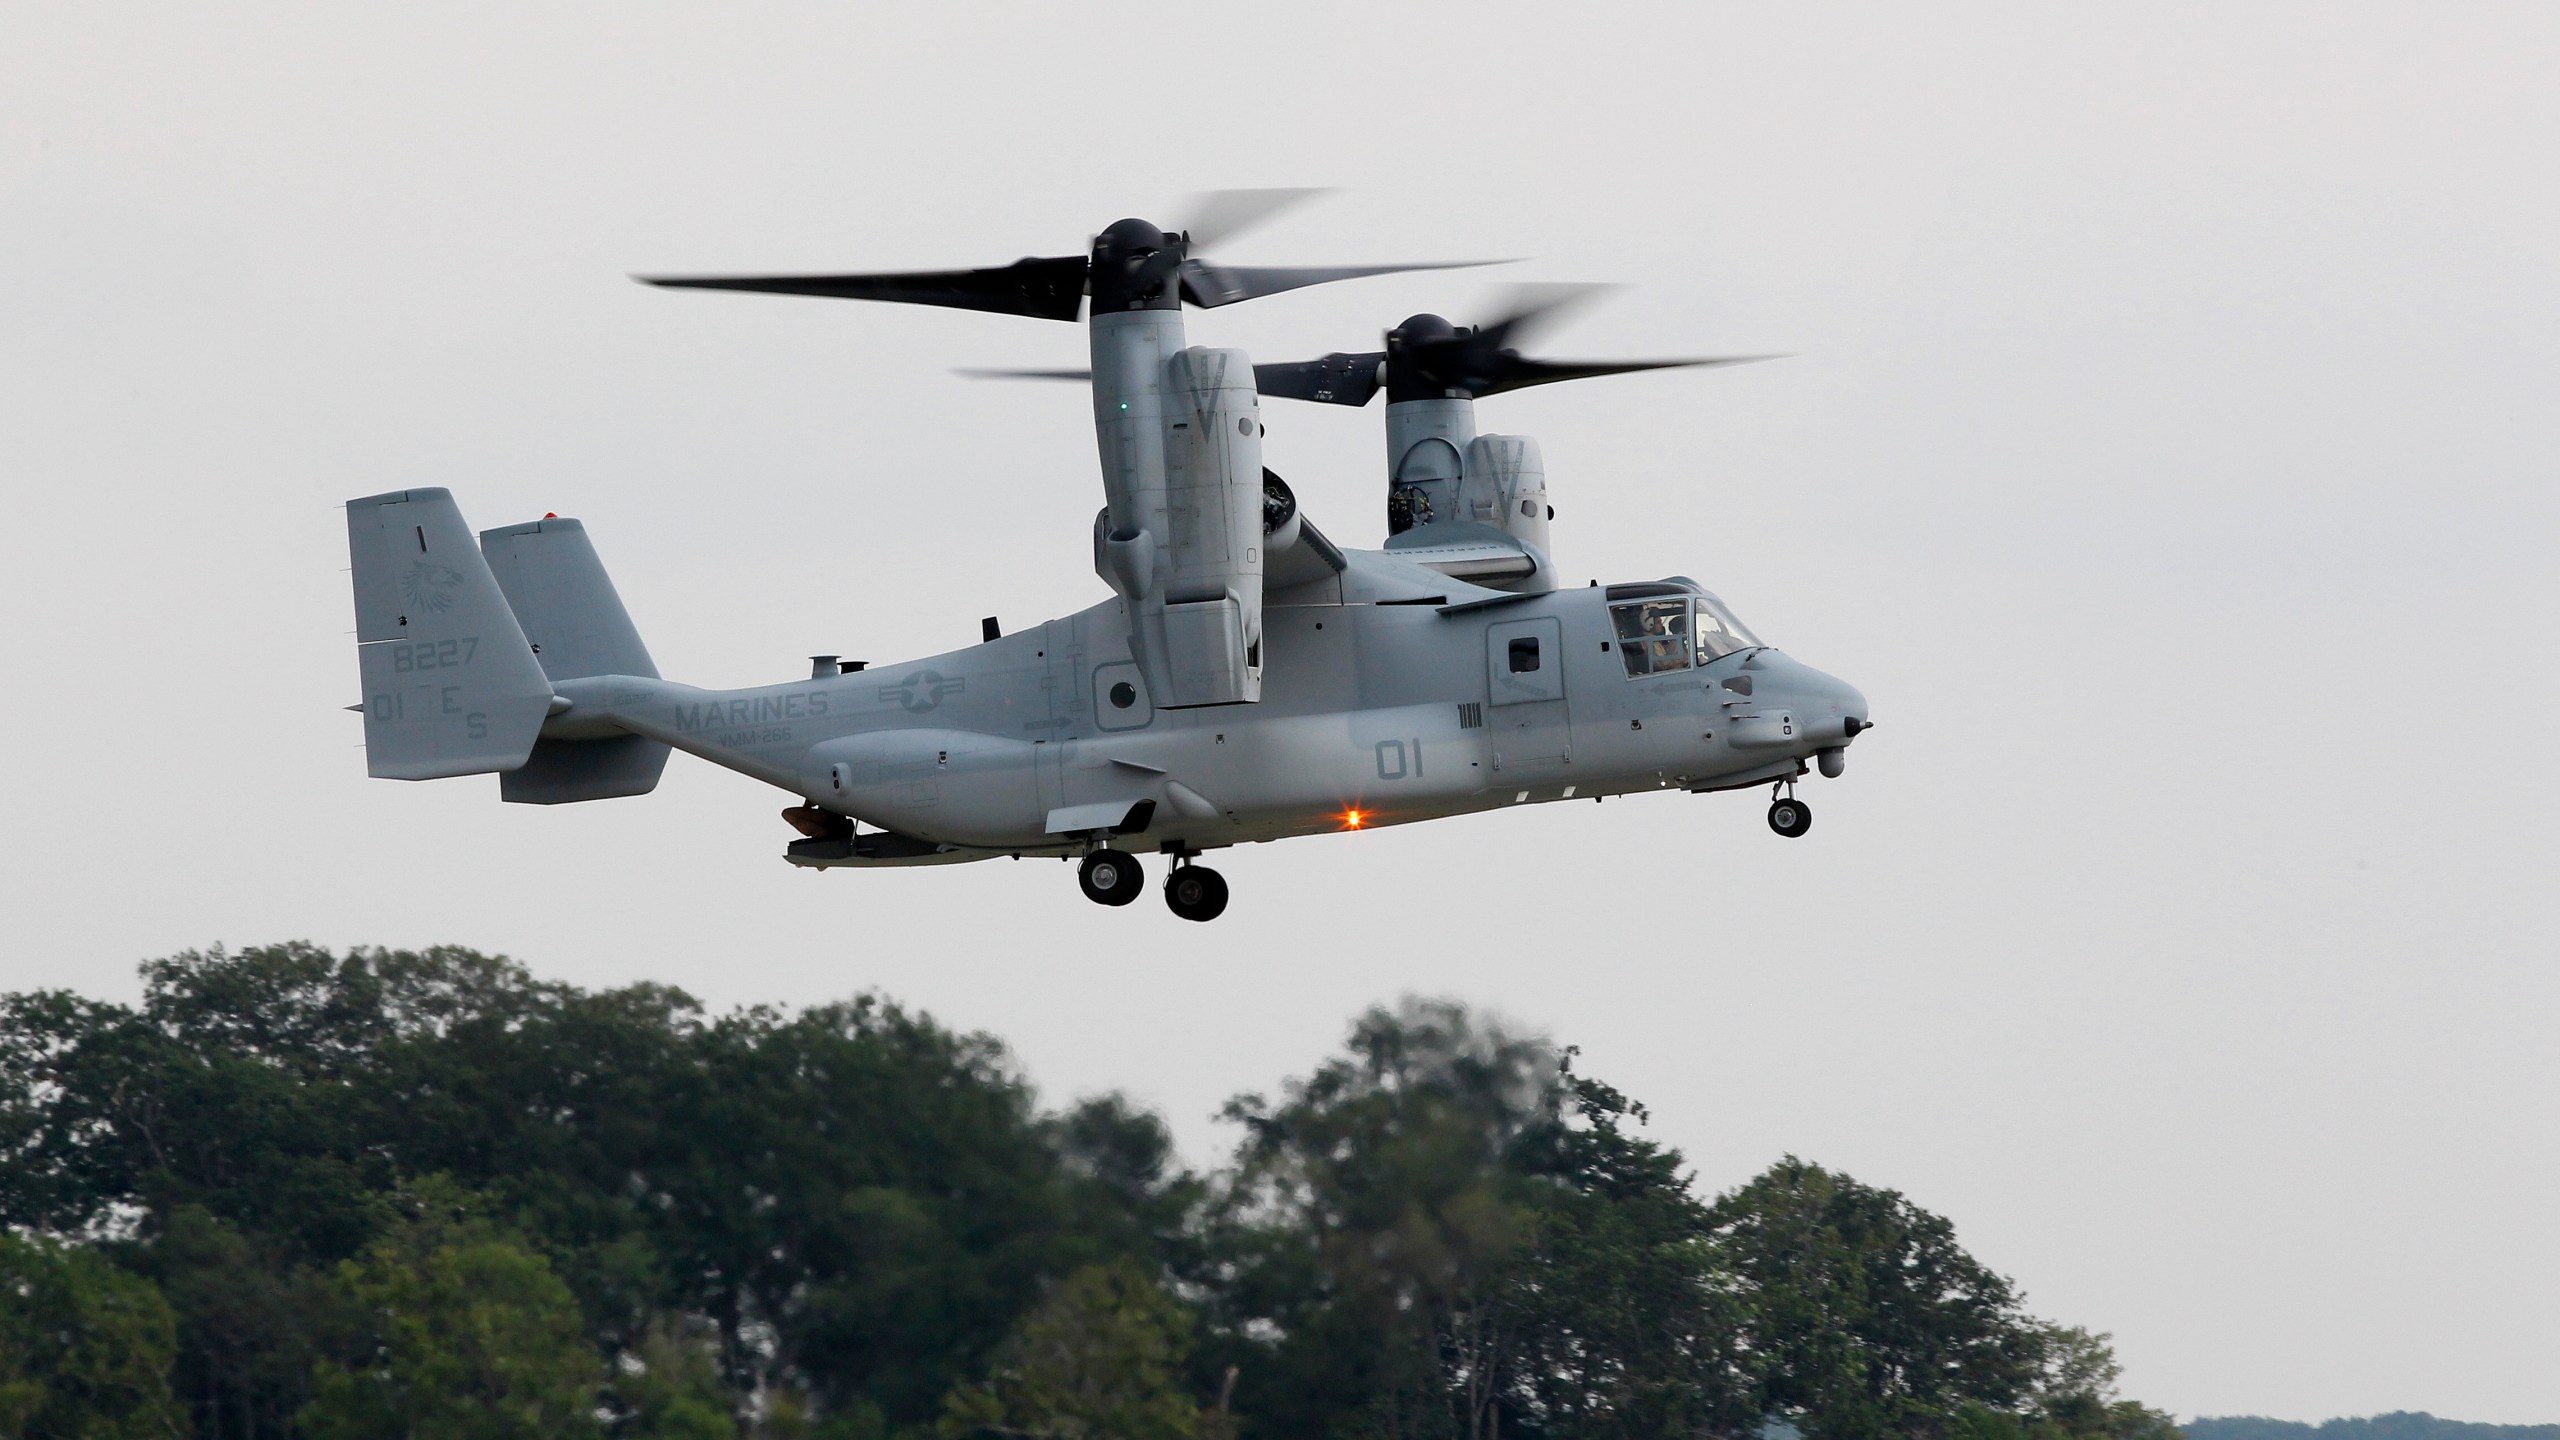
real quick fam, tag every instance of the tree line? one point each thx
(300, 1194)
(2398, 1425)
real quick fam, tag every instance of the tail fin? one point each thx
(575, 622)
(451, 687)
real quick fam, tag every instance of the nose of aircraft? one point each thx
(1829, 710)
(1851, 705)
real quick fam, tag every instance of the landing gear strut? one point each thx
(1788, 815)
(1111, 877)
(1195, 892)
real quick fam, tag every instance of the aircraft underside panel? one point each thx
(947, 786)
(880, 850)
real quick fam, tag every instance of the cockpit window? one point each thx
(1653, 636)
(1719, 633)
(1656, 637)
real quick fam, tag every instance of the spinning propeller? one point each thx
(1427, 358)
(1132, 265)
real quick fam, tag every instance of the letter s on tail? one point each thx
(450, 685)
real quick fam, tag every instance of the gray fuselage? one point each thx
(1390, 694)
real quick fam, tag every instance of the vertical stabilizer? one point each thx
(450, 685)
(577, 626)
(568, 607)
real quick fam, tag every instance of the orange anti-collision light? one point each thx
(1354, 819)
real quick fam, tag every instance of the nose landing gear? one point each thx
(1111, 877)
(1788, 815)
(1195, 892)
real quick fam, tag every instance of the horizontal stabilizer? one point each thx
(563, 772)
(451, 687)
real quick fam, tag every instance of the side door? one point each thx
(1527, 710)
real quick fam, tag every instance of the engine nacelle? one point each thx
(1506, 487)
(1426, 460)
(1191, 573)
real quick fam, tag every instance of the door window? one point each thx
(1515, 661)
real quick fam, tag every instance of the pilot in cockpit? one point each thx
(1665, 649)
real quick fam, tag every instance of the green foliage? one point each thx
(1371, 1222)
(1627, 1323)
(461, 1333)
(85, 1349)
(1101, 1359)
(250, 1323)
(667, 1387)
(849, 1223)
(1868, 1320)
(857, 1199)
(2074, 1394)
(1449, 1233)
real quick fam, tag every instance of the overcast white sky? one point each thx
(2169, 456)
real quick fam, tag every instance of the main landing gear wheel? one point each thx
(1195, 893)
(1111, 877)
(1790, 816)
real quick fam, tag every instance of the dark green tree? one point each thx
(460, 1332)
(85, 1348)
(1629, 1325)
(858, 1200)
(1100, 1359)
(1446, 1232)
(251, 1322)
(829, 1220)
(1369, 1225)
(668, 1387)
(867, 1200)
(2074, 1397)
(1868, 1321)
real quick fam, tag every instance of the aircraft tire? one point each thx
(1790, 817)
(1196, 892)
(1111, 877)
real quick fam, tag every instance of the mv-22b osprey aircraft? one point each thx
(1248, 679)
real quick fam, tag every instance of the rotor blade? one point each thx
(1522, 373)
(1025, 374)
(1220, 215)
(1044, 289)
(1337, 379)
(1210, 286)
(1531, 308)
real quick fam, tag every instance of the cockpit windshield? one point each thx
(1656, 636)
(1719, 632)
